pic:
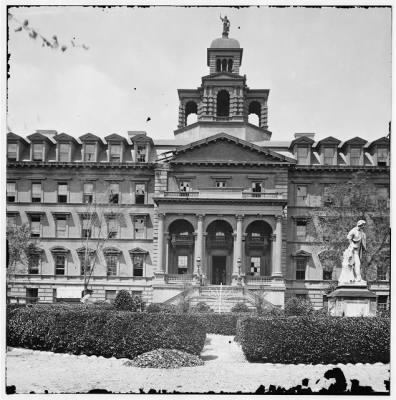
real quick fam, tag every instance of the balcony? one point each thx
(182, 240)
(223, 194)
(179, 278)
(258, 280)
(256, 241)
(219, 242)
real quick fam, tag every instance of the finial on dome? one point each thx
(226, 26)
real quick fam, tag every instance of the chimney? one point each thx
(308, 135)
(131, 134)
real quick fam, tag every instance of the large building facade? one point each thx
(220, 205)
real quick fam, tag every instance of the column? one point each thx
(167, 236)
(238, 244)
(161, 218)
(277, 248)
(198, 244)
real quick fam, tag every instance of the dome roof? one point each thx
(225, 43)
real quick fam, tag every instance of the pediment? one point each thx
(38, 137)
(301, 253)
(138, 250)
(330, 140)
(14, 137)
(382, 142)
(114, 137)
(356, 141)
(64, 137)
(89, 137)
(302, 140)
(224, 148)
(223, 75)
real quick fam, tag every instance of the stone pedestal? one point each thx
(352, 300)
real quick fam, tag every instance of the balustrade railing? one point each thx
(225, 193)
(177, 278)
(258, 280)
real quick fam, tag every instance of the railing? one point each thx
(226, 193)
(255, 241)
(182, 240)
(214, 241)
(35, 277)
(258, 280)
(177, 278)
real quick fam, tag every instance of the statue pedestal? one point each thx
(352, 300)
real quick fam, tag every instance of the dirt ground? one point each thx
(225, 369)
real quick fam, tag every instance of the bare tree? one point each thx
(344, 204)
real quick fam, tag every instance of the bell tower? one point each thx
(223, 102)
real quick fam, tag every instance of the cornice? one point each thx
(90, 165)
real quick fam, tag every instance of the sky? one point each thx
(328, 69)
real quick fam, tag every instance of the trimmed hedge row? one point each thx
(220, 324)
(307, 340)
(104, 333)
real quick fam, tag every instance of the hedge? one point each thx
(104, 333)
(220, 324)
(310, 340)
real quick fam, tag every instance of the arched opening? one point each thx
(223, 104)
(181, 247)
(224, 65)
(230, 63)
(219, 245)
(258, 250)
(218, 65)
(255, 113)
(191, 113)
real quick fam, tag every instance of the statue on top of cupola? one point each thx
(226, 25)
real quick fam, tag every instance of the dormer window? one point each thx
(38, 150)
(302, 155)
(12, 149)
(328, 155)
(355, 155)
(90, 152)
(115, 152)
(141, 153)
(64, 152)
(382, 156)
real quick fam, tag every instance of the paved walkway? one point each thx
(225, 370)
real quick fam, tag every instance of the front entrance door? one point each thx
(219, 270)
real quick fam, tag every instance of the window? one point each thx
(220, 184)
(88, 193)
(34, 263)
(382, 303)
(31, 295)
(35, 226)
(327, 198)
(11, 192)
(257, 187)
(140, 193)
(302, 155)
(61, 226)
(301, 195)
(64, 152)
(141, 153)
(138, 264)
(60, 262)
(382, 156)
(382, 273)
(11, 221)
(114, 195)
(86, 231)
(36, 192)
(38, 151)
(218, 65)
(327, 274)
(85, 258)
(110, 295)
(111, 264)
(255, 264)
(62, 192)
(12, 149)
(355, 155)
(115, 152)
(112, 226)
(328, 158)
(325, 302)
(182, 264)
(301, 264)
(89, 152)
(301, 229)
(139, 223)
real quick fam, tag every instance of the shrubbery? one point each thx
(125, 302)
(307, 340)
(201, 307)
(105, 333)
(297, 306)
(220, 324)
(240, 308)
(163, 308)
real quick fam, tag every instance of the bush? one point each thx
(297, 306)
(310, 340)
(219, 324)
(240, 308)
(104, 333)
(201, 307)
(163, 308)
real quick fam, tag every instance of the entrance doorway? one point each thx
(219, 270)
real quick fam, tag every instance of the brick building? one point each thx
(205, 209)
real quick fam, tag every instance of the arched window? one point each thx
(223, 104)
(230, 63)
(255, 113)
(224, 65)
(191, 112)
(218, 65)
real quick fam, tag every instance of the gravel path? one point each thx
(225, 369)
